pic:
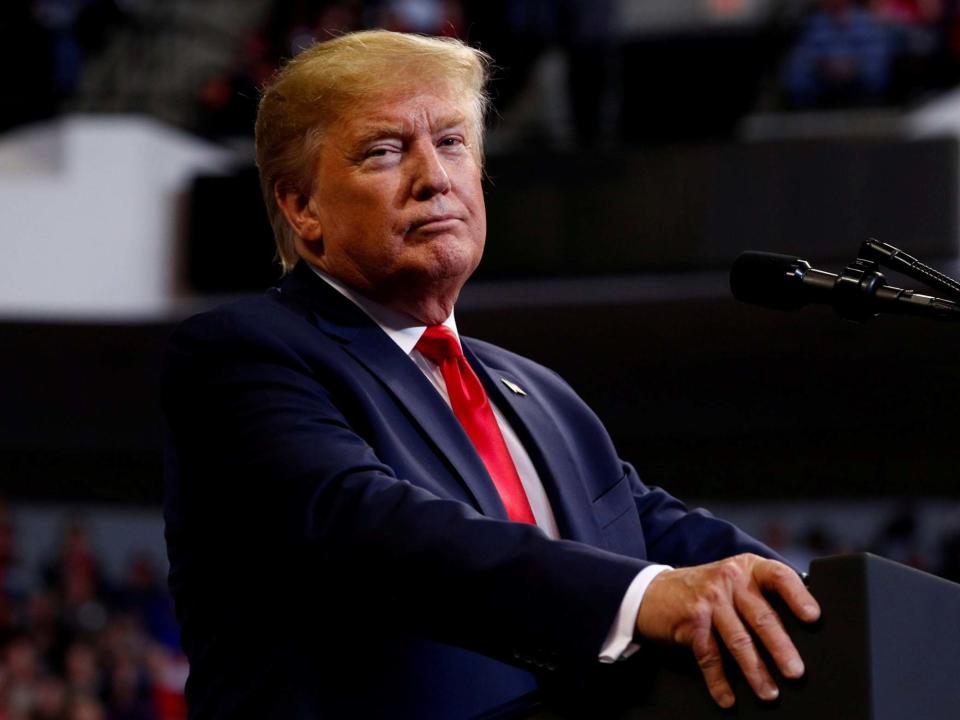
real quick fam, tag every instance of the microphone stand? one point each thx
(860, 280)
(896, 259)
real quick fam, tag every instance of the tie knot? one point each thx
(439, 343)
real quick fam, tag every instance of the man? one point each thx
(368, 515)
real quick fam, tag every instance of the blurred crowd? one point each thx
(573, 61)
(852, 53)
(517, 33)
(77, 645)
(824, 54)
(900, 536)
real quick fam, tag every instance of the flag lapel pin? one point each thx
(514, 388)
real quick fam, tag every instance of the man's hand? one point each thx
(693, 606)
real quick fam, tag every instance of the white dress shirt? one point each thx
(406, 332)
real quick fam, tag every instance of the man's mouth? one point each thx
(434, 223)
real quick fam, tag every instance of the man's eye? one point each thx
(451, 141)
(383, 149)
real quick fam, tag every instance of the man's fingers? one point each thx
(774, 576)
(707, 653)
(766, 624)
(722, 603)
(740, 644)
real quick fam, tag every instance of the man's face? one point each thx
(398, 197)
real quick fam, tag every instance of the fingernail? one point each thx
(811, 612)
(725, 700)
(795, 668)
(770, 692)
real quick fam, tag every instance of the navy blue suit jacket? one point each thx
(337, 548)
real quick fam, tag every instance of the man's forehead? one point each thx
(402, 114)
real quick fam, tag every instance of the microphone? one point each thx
(859, 293)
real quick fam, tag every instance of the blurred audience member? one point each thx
(82, 669)
(85, 707)
(842, 56)
(899, 538)
(168, 675)
(228, 102)
(144, 595)
(128, 690)
(908, 13)
(427, 17)
(75, 575)
(19, 677)
(812, 543)
(50, 700)
(74, 570)
(916, 34)
(11, 580)
(46, 627)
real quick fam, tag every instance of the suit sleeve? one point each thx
(267, 480)
(682, 537)
(662, 529)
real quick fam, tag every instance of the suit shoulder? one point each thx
(247, 315)
(265, 325)
(262, 317)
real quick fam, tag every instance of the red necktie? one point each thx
(472, 408)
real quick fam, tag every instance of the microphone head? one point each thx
(769, 280)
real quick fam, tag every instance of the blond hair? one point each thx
(320, 84)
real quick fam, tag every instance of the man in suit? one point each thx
(370, 516)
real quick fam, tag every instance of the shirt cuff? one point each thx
(619, 643)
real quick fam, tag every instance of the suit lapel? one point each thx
(375, 351)
(388, 363)
(547, 448)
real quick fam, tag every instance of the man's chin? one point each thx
(450, 260)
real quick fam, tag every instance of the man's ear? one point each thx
(299, 212)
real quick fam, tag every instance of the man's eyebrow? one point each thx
(445, 122)
(377, 132)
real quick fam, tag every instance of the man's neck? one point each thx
(403, 328)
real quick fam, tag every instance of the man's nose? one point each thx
(430, 176)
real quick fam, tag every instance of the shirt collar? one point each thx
(404, 330)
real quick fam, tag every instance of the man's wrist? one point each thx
(620, 642)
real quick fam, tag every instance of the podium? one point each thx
(887, 647)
